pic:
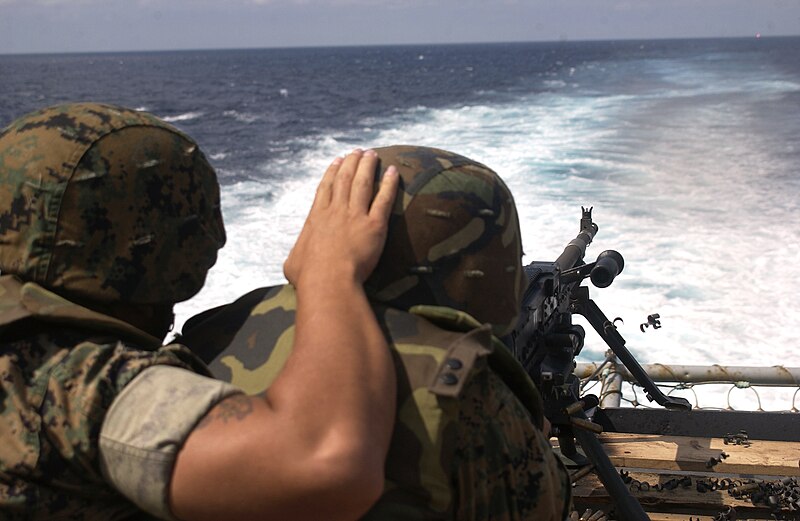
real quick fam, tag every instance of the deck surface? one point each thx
(678, 477)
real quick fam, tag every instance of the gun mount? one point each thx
(546, 342)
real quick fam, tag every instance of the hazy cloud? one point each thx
(119, 25)
(48, 3)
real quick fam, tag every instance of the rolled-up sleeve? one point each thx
(146, 426)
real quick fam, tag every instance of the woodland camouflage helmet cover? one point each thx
(108, 204)
(453, 239)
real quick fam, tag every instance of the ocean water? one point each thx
(688, 151)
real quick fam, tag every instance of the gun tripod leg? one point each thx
(628, 507)
(569, 451)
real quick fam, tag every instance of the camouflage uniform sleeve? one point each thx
(82, 383)
(505, 466)
(465, 447)
(146, 426)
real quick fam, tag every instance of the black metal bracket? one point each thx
(583, 305)
(568, 415)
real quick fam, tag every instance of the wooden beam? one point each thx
(644, 451)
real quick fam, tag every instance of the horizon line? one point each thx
(757, 36)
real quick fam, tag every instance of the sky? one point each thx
(47, 26)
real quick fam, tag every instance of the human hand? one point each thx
(345, 231)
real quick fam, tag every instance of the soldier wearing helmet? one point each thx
(110, 216)
(468, 442)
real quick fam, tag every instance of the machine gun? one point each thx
(545, 341)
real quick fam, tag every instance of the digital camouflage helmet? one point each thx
(107, 204)
(453, 239)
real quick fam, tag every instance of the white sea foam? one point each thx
(241, 117)
(686, 193)
(182, 117)
(262, 223)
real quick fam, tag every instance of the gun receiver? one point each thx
(546, 342)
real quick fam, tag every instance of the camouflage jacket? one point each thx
(61, 366)
(467, 443)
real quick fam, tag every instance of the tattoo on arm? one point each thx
(234, 408)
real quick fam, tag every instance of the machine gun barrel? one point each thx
(541, 274)
(576, 249)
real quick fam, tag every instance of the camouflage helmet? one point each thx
(453, 239)
(107, 204)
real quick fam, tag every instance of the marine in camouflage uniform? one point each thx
(468, 443)
(94, 201)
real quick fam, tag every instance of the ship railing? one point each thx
(722, 386)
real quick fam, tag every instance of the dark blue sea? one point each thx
(688, 150)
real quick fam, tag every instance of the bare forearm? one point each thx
(336, 332)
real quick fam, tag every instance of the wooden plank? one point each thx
(661, 516)
(665, 505)
(645, 451)
(666, 460)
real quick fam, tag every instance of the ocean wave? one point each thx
(679, 165)
(554, 84)
(187, 116)
(242, 117)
